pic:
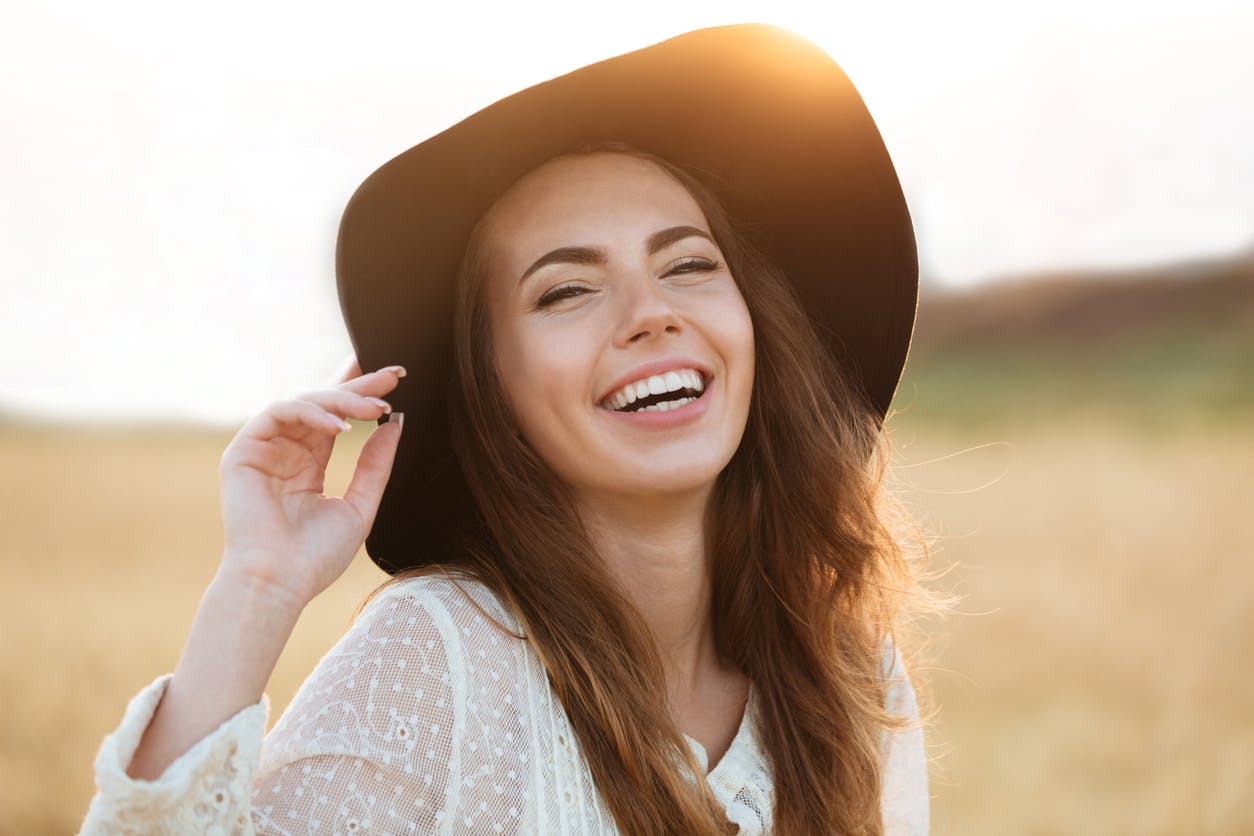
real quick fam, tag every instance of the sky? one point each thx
(171, 178)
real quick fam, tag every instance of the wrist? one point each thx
(236, 639)
(253, 591)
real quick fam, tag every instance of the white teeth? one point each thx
(656, 385)
(667, 406)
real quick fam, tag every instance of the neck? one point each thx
(656, 547)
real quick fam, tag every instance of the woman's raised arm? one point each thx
(380, 719)
(285, 542)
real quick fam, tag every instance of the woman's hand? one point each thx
(281, 531)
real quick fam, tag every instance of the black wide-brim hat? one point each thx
(767, 117)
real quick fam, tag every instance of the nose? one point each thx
(646, 314)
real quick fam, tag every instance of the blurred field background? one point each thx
(1083, 449)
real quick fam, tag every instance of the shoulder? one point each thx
(456, 599)
(455, 623)
(414, 652)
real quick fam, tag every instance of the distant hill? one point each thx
(1092, 310)
(1164, 347)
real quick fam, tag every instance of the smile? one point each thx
(657, 393)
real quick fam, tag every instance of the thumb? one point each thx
(373, 469)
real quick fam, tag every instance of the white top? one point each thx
(426, 718)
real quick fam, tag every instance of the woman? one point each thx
(656, 591)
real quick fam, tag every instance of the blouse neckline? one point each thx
(740, 743)
(736, 768)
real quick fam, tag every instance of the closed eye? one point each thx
(695, 265)
(563, 291)
(568, 291)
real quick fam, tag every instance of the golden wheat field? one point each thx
(1096, 677)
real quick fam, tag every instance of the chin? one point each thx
(667, 480)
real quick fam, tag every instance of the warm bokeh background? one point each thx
(1082, 448)
(1079, 441)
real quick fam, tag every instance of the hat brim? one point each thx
(772, 122)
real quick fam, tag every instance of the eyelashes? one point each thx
(695, 264)
(559, 293)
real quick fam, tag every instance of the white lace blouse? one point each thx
(425, 718)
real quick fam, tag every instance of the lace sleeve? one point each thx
(206, 787)
(368, 744)
(370, 741)
(904, 802)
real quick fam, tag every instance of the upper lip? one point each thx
(666, 364)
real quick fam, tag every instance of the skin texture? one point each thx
(642, 492)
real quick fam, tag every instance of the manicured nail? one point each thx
(344, 425)
(387, 407)
(400, 420)
(399, 370)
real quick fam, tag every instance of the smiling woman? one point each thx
(659, 592)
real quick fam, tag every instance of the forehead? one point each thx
(588, 199)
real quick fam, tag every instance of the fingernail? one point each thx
(387, 407)
(400, 420)
(399, 370)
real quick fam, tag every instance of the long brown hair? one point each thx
(809, 576)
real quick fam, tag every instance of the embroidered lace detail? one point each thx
(206, 790)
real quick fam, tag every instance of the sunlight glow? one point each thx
(172, 180)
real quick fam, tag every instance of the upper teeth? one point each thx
(658, 384)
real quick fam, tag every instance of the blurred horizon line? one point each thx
(986, 299)
(931, 285)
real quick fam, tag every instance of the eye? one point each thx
(562, 291)
(695, 264)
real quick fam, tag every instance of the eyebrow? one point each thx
(658, 241)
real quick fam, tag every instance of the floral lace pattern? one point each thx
(427, 718)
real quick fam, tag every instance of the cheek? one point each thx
(735, 335)
(514, 371)
(737, 340)
(543, 376)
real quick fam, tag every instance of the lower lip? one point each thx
(685, 414)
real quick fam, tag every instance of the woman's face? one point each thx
(606, 292)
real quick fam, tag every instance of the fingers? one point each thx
(374, 467)
(347, 403)
(284, 417)
(375, 383)
(348, 374)
(323, 410)
(320, 411)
